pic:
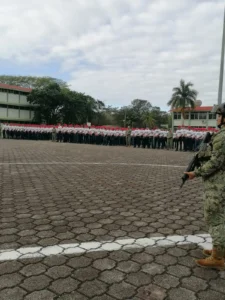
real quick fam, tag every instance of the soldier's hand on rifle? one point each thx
(191, 175)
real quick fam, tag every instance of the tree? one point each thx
(183, 97)
(100, 116)
(139, 114)
(126, 116)
(139, 108)
(31, 81)
(55, 102)
(74, 107)
(149, 120)
(91, 108)
(110, 116)
(121, 116)
(49, 103)
(160, 117)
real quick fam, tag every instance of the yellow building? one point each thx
(14, 106)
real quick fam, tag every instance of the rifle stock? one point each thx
(195, 163)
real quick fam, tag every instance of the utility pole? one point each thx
(125, 118)
(220, 92)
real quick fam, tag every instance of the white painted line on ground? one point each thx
(202, 240)
(90, 163)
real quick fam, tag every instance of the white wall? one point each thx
(177, 122)
(13, 113)
(202, 123)
(195, 123)
(3, 112)
(32, 115)
(3, 97)
(24, 114)
(13, 98)
(186, 123)
(23, 99)
(212, 123)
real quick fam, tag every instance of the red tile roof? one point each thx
(14, 87)
(197, 108)
(203, 108)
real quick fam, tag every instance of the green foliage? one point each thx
(31, 81)
(183, 96)
(49, 103)
(149, 120)
(74, 107)
(56, 103)
(141, 114)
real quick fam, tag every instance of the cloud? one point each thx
(119, 50)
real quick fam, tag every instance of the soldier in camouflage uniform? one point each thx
(53, 134)
(169, 139)
(213, 175)
(128, 136)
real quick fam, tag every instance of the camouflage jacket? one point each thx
(169, 135)
(213, 169)
(128, 132)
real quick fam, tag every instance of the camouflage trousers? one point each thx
(170, 143)
(128, 140)
(214, 213)
(53, 137)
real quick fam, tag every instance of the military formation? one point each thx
(181, 140)
(211, 170)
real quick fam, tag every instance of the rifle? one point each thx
(195, 162)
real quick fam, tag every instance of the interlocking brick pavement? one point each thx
(56, 194)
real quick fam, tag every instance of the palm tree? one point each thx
(183, 97)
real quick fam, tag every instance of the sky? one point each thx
(116, 50)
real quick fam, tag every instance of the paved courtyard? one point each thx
(93, 222)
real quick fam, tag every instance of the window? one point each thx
(212, 116)
(194, 116)
(3, 105)
(21, 106)
(202, 116)
(13, 107)
(186, 116)
(14, 92)
(177, 116)
(24, 108)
